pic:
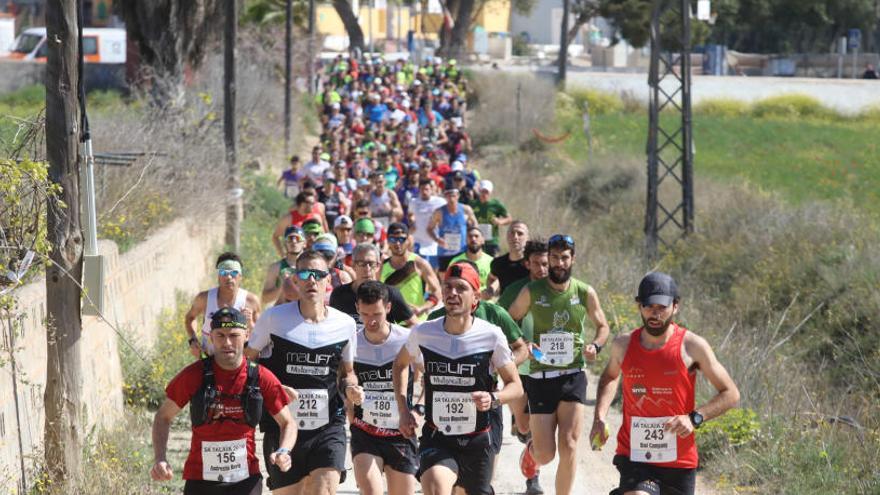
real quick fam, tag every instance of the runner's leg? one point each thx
(571, 424)
(518, 407)
(438, 480)
(399, 483)
(323, 481)
(543, 427)
(368, 473)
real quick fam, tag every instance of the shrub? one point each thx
(597, 102)
(792, 106)
(722, 107)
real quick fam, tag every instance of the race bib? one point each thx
(291, 190)
(312, 408)
(649, 442)
(558, 348)
(380, 409)
(486, 230)
(225, 461)
(452, 240)
(454, 413)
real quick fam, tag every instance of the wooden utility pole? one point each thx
(288, 55)
(311, 47)
(63, 395)
(563, 46)
(233, 220)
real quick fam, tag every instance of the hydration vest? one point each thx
(207, 395)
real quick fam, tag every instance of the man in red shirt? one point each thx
(225, 392)
(656, 451)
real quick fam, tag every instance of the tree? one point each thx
(171, 35)
(583, 11)
(350, 21)
(63, 438)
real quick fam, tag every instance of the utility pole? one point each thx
(233, 220)
(63, 395)
(311, 47)
(670, 142)
(563, 46)
(288, 55)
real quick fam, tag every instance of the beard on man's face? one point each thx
(656, 327)
(559, 275)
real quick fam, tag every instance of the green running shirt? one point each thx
(558, 324)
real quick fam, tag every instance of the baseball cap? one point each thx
(657, 288)
(324, 156)
(365, 226)
(228, 318)
(457, 166)
(486, 185)
(343, 221)
(465, 271)
(458, 174)
(293, 229)
(312, 227)
(398, 228)
(325, 241)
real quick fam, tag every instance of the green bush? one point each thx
(722, 107)
(28, 96)
(792, 106)
(598, 102)
(520, 45)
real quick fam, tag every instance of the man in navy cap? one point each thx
(656, 451)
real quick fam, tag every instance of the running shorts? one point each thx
(252, 485)
(545, 394)
(654, 480)
(398, 453)
(469, 456)
(496, 429)
(323, 449)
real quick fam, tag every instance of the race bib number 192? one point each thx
(649, 442)
(454, 413)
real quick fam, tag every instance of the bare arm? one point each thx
(282, 224)
(271, 287)
(252, 310)
(400, 378)
(520, 307)
(432, 284)
(597, 316)
(728, 393)
(512, 388)
(161, 471)
(471, 218)
(520, 351)
(396, 209)
(436, 217)
(190, 322)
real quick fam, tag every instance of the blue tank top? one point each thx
(453, 230)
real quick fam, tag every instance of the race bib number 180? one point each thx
(380, 409)
(225, 461)
(649, 442)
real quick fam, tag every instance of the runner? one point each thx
(536, 262)
(459, 355)
(312, 346)
(656, 451)
(509, 268)
(343, 228)
(384, 205)
(490, 214)
(365, 260)
(291, 179)
(228, 396)
(448, 227)
(294, 244)
(420, 211)
(306, 208)
(475, 255)
(409, 273)
(227, 294)
(557, 386)
(315, 168)
(377, 446)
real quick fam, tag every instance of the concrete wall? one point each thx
(139, 285)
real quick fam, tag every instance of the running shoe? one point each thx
(527, 463)
(533, 487)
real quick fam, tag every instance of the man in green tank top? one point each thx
(409, 272)
(475, 254)
(557, 384)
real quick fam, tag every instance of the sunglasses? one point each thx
(561, 239)
(365, 264)
(228, 273)
(308, 273)
(295, 238)
(397, 240)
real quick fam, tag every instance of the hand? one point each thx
(161, 471)
(281, 460)
(407, 424)
(590, 352)
(483, 400)
(442, 243)
(599, 434)
(248, 315)
(195, 349)
(355, 394)
(292, 394)
(679, 425)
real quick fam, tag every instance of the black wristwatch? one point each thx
(192, 340)
(419, 409)
(598, 347)
(495, 402)
(696, 419)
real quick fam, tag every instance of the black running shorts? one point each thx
(398, 453)
(252, 485)
(496, 431)
(545, 394)
(324, 448)
(470, 456)
(654, 480)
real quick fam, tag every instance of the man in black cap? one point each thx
(656, 451)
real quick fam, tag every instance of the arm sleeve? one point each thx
(501, 355)
(399, 308)
(182, 387)
(274, 397)
(260, 336)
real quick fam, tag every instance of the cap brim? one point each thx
(657, 299)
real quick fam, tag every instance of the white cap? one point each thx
(457, 165)
(486, 185)
(405, 103)
(343, 221)
(417, 83)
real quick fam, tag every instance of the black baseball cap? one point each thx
(228, 318)
(657, 288)
(398, 228)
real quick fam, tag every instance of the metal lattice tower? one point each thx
(670, 143)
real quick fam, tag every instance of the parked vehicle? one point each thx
(100, 45)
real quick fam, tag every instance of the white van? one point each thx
(100, 45)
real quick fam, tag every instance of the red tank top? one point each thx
(656, 383)
(297, 218)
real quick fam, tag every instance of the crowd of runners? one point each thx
(392, 314)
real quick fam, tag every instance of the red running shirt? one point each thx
(227, 421)
(656, 383)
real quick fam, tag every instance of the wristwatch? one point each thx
(192, 340)
(598, 347)
(696, 419)
(419, 409)
(282, 450)
(495, 402)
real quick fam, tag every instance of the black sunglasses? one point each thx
(307, 273)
